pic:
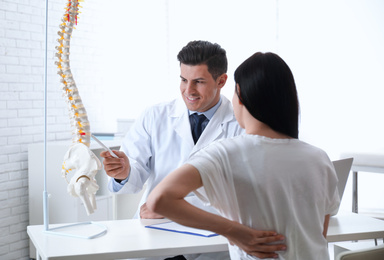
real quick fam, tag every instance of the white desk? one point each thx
(124, 239)
(130, 239)
(352, 226)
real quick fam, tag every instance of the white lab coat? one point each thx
(161, 140)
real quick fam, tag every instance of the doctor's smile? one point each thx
(192, 99)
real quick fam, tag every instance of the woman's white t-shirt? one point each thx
(284, 185)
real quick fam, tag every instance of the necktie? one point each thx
(197, 128)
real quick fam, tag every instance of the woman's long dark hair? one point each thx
(268, 91)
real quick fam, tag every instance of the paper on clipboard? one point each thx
(175, 227)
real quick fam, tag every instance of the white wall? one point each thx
(124, 58)
(22, 101)
(142, 40)
(333, 48)
(335, 51)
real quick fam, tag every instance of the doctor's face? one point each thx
(199, 90)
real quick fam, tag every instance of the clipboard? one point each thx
(175, 227)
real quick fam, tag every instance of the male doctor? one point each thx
(164, 136)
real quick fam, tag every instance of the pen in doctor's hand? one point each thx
(104, 146)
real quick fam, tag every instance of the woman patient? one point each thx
(266, 179)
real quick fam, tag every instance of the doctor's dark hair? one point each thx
(204, 52)
(268, 91)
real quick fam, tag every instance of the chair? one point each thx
(371, 253)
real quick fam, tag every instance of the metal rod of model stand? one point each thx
(45, 193)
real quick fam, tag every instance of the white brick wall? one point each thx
(22, 32)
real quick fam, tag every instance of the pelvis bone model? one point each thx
(79, 159)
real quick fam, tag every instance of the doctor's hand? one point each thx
(146, 213)
(256, 242)
(117, 168)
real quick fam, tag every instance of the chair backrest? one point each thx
(371, 253)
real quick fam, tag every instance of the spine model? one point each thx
(79, 160)
(77, 112)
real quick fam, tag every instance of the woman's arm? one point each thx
(167, 199)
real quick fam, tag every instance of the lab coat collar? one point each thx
(216, 125)
(214, 129)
